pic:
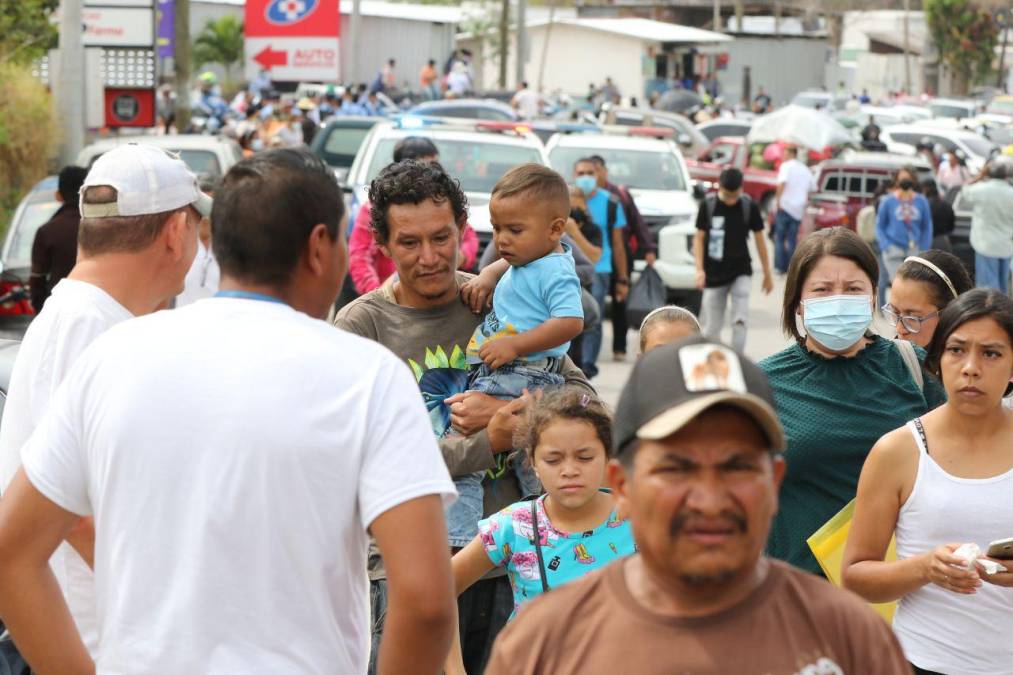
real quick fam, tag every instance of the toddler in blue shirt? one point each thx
(536, 311)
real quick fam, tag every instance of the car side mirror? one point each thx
(346, 188)
(706, 157)
(684, 140)
(698, 191)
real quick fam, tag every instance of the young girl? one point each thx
(942, 480)
(568, 532)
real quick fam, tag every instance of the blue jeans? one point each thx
(506, 382)
(11, 662)
(991, 272)
(785, 239)
(592, 338)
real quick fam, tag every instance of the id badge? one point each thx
(716, 241)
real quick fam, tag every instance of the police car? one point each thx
(648, 162)
(476, 154)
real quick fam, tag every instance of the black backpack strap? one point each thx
(537, 542)
(747, 209)
(711, 203)
(611, 212)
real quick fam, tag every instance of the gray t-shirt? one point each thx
(433, 341)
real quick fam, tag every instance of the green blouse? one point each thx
(833, 412)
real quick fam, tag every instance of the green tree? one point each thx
(966, 36)
(220, 42)
(26, 33)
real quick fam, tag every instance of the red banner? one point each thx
(292, 18)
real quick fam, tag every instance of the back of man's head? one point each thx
(69, 184)
(790, 152)
(538, 185)
(730, 180)
(265, 209)
(128, 196)
(997, 170)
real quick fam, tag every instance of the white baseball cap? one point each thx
(147, 180)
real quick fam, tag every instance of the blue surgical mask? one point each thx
(586, 184)
(837, 322)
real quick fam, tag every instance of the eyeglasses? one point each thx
(912, 324)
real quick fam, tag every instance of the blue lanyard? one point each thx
(249, 295)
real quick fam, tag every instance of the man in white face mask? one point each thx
(723, 266)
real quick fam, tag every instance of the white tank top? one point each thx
(939, 630)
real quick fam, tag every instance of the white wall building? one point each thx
(570, 53)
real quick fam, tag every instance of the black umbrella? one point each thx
(678, 101)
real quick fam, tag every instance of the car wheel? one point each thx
(690, 299)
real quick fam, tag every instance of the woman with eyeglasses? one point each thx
(924, 286)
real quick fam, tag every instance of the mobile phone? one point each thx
(1001, 549)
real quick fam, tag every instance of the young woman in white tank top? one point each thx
(943, 480)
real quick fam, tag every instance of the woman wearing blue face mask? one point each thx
(838, 389)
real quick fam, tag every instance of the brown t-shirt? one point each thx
(793, 624)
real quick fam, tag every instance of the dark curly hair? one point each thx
(413, 182)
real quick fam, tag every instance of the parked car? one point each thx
(8, 354)
(687, 137)
(467, 108)
(847, 183)
(338, 141)
(760, 184)
(904, 139)
(475, 156)
(655, 173)
(1000, 105)
(817, 98)
(35, 209)
(724, 126)
(207, 156)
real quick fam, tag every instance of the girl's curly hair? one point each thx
(568, 403)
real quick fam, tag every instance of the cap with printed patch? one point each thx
(673, 384)
(147, 180)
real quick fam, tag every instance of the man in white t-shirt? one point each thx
(234, 454)
(794, 183)
(138, 234)
(526, 102)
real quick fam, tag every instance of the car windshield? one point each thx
(811, 100)
(201, 162)
(979, 146)
(475, 164)
(952, 111)
(36, 212)
(341, 145)
(639, 169)
(1001, 107)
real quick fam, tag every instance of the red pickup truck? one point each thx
(732, 151)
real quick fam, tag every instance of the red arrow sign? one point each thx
(267, 58)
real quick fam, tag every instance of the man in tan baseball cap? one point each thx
(140, 208)
(697, 472)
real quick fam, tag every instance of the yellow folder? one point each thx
(827, 544)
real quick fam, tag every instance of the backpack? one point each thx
(711, 203)
(611, 212)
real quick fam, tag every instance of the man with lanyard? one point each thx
(418, 212)
(139, 210)
(251, 449)
(697, 469)
(606, 213)
(639, 242)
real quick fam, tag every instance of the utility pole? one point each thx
(545, 43)
(907, 48)
(70, 87)
(504, 43)
(522, 41)
(1003, 19)
(717, 16)
(352, 69)
(181, 61)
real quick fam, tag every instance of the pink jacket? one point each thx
(368, 265)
